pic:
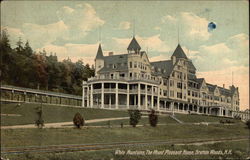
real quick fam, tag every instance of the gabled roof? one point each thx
(211, 87)
(179, 53)
(115, 59)
(224, 91)
(199, 81)
(134, 45)
(166, 67)
(191, 65)
(99, 54)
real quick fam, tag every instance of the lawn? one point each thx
(192, 118)
(52, 113)
(52, 136)
(143, 121)
(34, 137)
(239, 151)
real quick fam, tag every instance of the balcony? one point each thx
(123, 79)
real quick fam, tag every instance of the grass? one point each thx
(30, 137)
(143, 121)
(52, 113)
(239, 151)
(192, 118)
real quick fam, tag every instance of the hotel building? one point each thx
(131, 81)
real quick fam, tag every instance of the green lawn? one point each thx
(239, 151)
(192, 118)
(52, 113)
(28, 137)
(143, 121)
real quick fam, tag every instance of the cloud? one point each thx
(73, 25)
(224, 76)
(124, 25)
(233, 52)
(83, 18)
(216, 49)
(87, 52)
(168, 18)
(194, 26)
(160, 57)
(190, 25)
(40, 35)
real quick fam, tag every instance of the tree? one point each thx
(248, 124)
(78, 120)
(153, 118)
(135, 116)
(39, 122)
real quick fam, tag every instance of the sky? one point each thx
(75, 28)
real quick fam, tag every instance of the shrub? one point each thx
(248, 123)
(135, 116)
(78, 120)
(39, 122)
(153, 118)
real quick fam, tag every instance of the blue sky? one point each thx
(71, 29)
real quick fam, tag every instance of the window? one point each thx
(171, 83)
(173, 74)
(114, 65)
(171, 93)
(135, 64)
(179, 85)
(130, 65)
(189, 92)
(179, 95)
(130, 74)
(185, 86)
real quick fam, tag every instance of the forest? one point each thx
(23, 67)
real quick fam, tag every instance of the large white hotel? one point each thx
(131, 81)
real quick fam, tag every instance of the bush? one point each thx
(39, 122)
(248, 123)
(78, 120)
(153, 118)
(135, 116)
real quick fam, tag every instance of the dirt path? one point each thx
(62, 124)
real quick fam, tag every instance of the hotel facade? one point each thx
(131, 81)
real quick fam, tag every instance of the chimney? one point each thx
(111, 53)
(223, 85)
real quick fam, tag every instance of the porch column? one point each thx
(177, 107)
(91, 96)
(25, 96)
(152, 98)
(183, 107)
(102, 96)
(110, 100)
(139, 95)
(165, 105)
(146, 96)
(198, 109)
(116, 96)
(172, 107)
(83, 96)
(127, 96)
(88, 105)
(158, 98)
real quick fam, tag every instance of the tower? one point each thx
(134, 46)
(99, 59)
